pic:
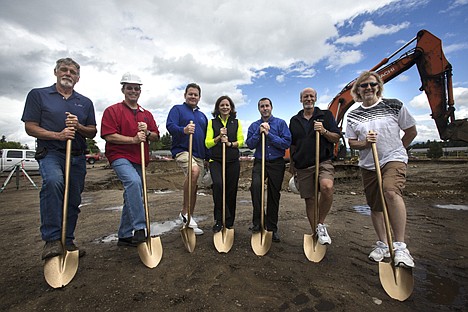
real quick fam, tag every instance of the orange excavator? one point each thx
(436, 78)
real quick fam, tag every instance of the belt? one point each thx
(73, 152)
(280, 159)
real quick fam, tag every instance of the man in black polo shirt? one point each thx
(303, 127)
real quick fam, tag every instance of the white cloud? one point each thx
(343, 58)
(455, 47)
(219, 44)
(370, 30)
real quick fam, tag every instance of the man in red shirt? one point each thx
(124, 126)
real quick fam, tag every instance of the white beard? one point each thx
(66, 83)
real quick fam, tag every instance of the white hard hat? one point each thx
(294, 185)
(130, 78)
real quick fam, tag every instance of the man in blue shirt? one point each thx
(54, 115)
(277, 140)
(185, 119)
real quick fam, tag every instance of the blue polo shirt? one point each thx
(276, 142)
(179, 117)
(47, 107)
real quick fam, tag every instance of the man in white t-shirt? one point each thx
(379, 120)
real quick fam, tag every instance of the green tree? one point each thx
(92, 147)
(166, 141)
(435, 150)
(10, 144)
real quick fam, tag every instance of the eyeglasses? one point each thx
(365, 85)
(130, 88)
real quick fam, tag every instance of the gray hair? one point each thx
(67, 61)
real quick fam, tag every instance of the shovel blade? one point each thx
(261, 242)
(151, 252)
(314, 251)
(223, 240)
(60, 270)
(397, 282)
(188, 237)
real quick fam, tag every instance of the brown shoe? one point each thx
(52, 249)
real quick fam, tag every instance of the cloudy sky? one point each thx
(246, 49)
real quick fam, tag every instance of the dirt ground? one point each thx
(112, 278)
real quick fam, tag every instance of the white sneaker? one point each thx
(323, 237)
(380, 252)
(192, 224)
(402, 255)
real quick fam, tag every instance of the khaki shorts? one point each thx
(182, 160)
(306, 177)
(393, 179)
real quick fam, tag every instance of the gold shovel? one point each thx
(397, 282)
(312, 249)
(224, 239)
(60, 270)
(151, 251)
(261, 241)
(187, 233)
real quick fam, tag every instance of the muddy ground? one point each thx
(112, 278)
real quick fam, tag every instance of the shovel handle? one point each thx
(317, 170)
(145, 191)
(66, 191)
(189, 199)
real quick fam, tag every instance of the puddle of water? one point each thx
(452, 206)
(362, 209)
(157, 228)
(162, 192)
(365, 209)
(116, 208)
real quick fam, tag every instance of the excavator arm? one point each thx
(436, 78)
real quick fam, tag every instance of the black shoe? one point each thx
(139, 236)
(126, 242)
(52, 249)
(73, 247)
(255, 228)
(276, 237)
(217, 227)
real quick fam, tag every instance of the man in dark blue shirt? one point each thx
(54, 115)
(277, 140)
(183, 120)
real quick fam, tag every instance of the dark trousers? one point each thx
(232, 181)
(274, 171)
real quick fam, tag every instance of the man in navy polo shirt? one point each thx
(54, 115)
(278, 139)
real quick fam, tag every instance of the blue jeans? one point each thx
(133, 213)
(52, 169)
